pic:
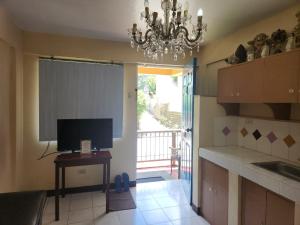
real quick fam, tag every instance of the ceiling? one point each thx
(110, 19)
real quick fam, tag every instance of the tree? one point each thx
(141, 104)
(151, 83)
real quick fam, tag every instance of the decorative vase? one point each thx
(250, 56)
(290, 43)
(265, 51)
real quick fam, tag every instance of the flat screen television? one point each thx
(70, 133)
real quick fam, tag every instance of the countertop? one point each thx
(238, 160)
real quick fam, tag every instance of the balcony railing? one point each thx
(155, 145)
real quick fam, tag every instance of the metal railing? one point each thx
(155, 145)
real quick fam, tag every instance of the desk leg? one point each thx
(56, 192)
(63, 181)
(104, 177)
(107, 186)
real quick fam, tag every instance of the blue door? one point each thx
(188, 91)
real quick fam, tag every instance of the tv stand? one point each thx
(84, 159)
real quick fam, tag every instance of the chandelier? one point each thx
(170, 34)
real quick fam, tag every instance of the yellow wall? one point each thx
(10, 103)
(40, 174)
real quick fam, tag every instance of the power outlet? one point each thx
(82, 171)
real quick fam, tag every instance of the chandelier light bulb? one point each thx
(200, 12)
(146, 3)
(166, 50)
(186, 6)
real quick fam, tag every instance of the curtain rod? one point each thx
(121, 63)
(82, 61)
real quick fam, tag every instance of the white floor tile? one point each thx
(158, 203)
(178, 212)
(80, 216)
(83, 223)
(155, 217)
(107, 219)
(167, 202)
(50, 219)
(191, 221)
(131, 217)
(147, 204)
(80, 203)
(64, 204)
(82, 195)
(99, 199)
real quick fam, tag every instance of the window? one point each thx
(75, 89)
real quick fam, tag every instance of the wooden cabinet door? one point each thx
(254, 203)
(220, 196)
(227, 85)
(279, 210)
(207, 194)
(280, 82)
(249, 81)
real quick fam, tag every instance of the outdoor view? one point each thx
(159, 121)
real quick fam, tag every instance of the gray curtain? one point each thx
(79, 90)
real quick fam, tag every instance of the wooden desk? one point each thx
(83, 159)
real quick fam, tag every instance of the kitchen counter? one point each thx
(238, 160)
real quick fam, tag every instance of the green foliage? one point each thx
(151, 83)
(147, 83)
(141, 104)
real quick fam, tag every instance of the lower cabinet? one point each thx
(263, 207)
(214, 193)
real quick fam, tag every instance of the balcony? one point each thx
(154, 153)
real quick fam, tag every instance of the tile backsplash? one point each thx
(281, 139)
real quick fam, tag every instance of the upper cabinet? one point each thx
(241, 83)
(274, 79)
(280, 81)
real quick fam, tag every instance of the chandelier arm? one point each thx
(189, 44)
(140, 42)
(186, 34)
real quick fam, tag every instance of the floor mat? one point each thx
(149, 179)
(121, 201)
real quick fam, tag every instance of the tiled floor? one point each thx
(158, 203)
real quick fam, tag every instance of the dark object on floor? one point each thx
(22, 208)
(125, 179)
(121, 201)
(118, 184)
(149, 179)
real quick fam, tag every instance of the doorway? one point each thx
(159, 112)
(165, 106)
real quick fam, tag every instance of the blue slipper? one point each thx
(118, 184)
(125, 178)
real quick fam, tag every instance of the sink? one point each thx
(282, 168)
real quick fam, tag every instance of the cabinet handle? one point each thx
(231, 94)
(291, 91)
(210, 189)
(238, 94)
